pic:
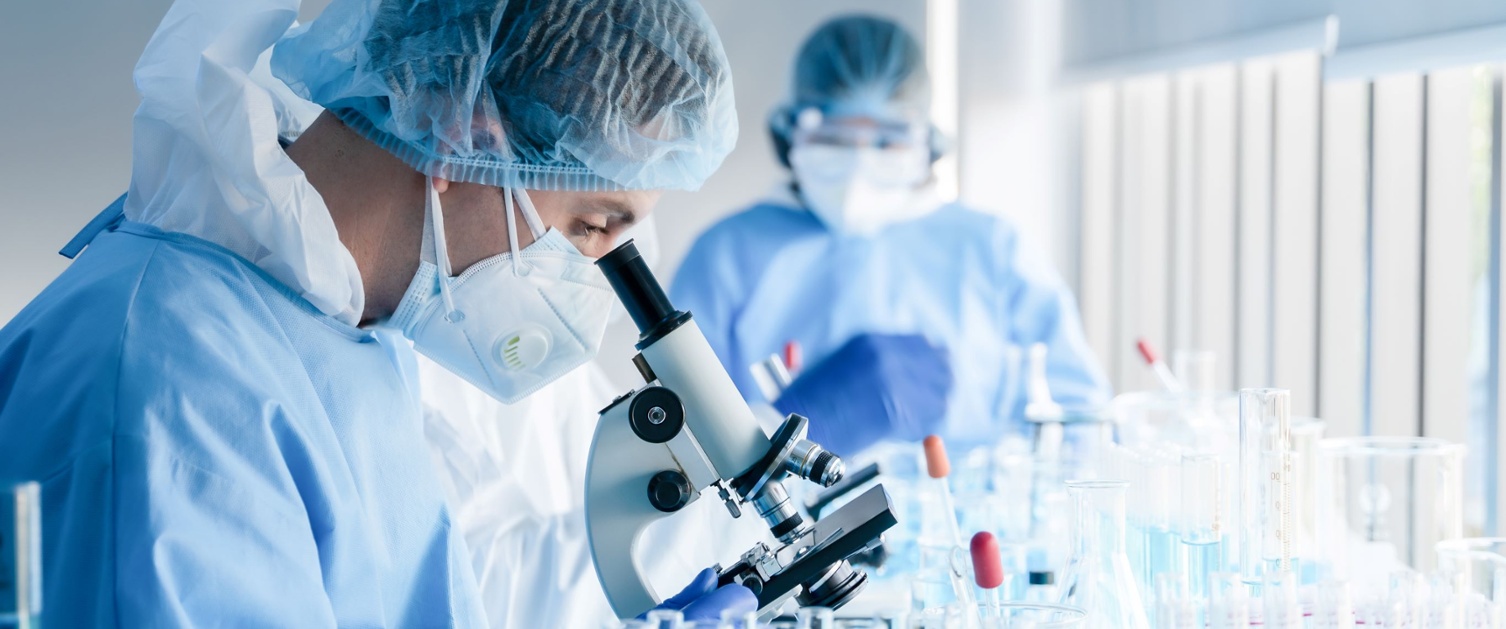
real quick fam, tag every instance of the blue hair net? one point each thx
(856, 65)
(535, 94)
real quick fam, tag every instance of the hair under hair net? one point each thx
(536, 94)
(856, 65)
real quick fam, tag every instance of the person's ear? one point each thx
(441, 184)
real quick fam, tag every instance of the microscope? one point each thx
(687, 432)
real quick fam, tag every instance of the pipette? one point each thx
(942, 548)
(988, 574)
(1163, 373)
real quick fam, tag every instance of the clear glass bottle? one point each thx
(1098, 578)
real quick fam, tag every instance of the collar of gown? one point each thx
(206, 160)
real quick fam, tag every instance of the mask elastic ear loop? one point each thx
(530, 213)
(512, 231)
(435, 215)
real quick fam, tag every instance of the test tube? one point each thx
(21, 556)
(1203, 519)
(1335, 606)
(815, 618)
(1265, 493)
(732, 619)
(1283, 610)
(1162, 494)
(1228, 603)
(665, 619)
(1409, 594)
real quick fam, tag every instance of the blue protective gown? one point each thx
(773, 273)
(216, 452)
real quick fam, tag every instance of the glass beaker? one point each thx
(1384, 503)
(1202, 420)
(1098, 578)
(21, 556)
(1477, 566)
(1022, 615)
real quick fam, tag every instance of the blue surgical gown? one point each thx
(773, 273)
(215, 452)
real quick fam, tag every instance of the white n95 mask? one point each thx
(511, 323)
(860, 190)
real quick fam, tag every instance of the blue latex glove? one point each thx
(703, 600)
(876, 386)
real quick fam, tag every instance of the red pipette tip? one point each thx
(792, 357)
(988, 569)
(1146, 351)
(937, 464)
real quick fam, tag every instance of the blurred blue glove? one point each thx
(703, 600)
(876, 386)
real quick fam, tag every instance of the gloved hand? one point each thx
(875, 386)
(703, 600)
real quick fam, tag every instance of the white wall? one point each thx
(66, 100)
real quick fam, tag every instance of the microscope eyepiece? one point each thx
(640, 294)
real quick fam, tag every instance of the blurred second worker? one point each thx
(914, 315)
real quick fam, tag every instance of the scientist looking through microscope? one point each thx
(217, 394)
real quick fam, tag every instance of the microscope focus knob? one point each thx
(669, 491)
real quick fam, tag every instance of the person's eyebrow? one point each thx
(615, 209)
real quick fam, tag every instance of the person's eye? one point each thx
(590, 229)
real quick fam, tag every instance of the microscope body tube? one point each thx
(721, 421)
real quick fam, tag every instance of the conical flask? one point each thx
(1098, 577)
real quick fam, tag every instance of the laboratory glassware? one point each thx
(1307, 433)
(1098, 577)
(1202, 420)
(21, 556)
(815, 618)
(943, 578)
(665, 619)
(1173, 608)
(732, 619)
(1477, 567)
(1022, 615)
(1282, 609)
(1384, 503)
(1266, 479)
(1168, 380)
(1228, 603)
(1334, 606)
(1162, 496)
(1204, 518)
(1196, 368)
